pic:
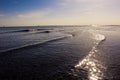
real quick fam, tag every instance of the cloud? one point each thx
(85, 3)
(68, 12)
(27, 18)
(89, 7)
(1, 15)
(34, 14)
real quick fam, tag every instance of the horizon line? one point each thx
(60, 25)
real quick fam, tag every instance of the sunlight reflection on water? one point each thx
(90, 63)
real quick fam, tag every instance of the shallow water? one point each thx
(60, 53)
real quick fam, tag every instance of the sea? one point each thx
(75, 52)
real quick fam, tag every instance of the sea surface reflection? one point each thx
(94, 68)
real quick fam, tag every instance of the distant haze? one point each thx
(59, 12)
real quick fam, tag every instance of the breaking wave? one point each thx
(28, 30)
(32, 45)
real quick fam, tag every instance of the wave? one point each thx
(3, 53)
(29, 30)
(100, 37)
(97, 37)
(32, 30)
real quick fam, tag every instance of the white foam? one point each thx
(99, 37)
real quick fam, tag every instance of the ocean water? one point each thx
(60, 53)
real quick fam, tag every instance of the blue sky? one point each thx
(13, 6)
(59, 12)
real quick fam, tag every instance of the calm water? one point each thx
(60, 53)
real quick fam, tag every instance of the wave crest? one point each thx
(99, 37)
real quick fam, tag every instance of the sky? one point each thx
(59, 12)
